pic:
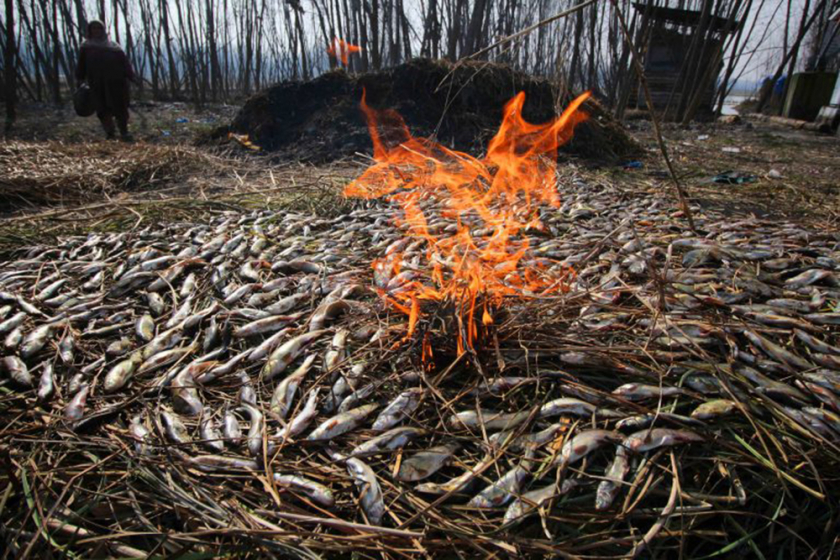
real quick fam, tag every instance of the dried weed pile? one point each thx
(52, 173)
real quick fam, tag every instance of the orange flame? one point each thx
(342, 49)
(476, 249)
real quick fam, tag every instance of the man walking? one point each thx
(107, 70)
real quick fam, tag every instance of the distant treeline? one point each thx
(216, 50)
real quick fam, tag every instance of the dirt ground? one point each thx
(170, 173)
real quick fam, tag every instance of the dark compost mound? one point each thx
(320, 120)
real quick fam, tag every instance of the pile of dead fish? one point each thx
(261, 338)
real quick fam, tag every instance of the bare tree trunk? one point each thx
(9, 74)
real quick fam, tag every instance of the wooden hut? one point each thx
(683, 55)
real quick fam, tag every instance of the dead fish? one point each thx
(639, 392)
(211, 437)
(583, 444)
(13, 322)
(75, 409)
(65, 348)
(530, 501)
(288, 303)
(145, 328)
(262, 326)
(335, 353)
(537, 439)
(471, 419)
(714, 409)
(35, 341)
(457, 484)
(815, 344)
(327, 312)
(647, 440)
(302, 419)
(775, 351)
(818, 318)
(646, 420)
(17, 371)
(505, 488)
(315, 491)
(185, 397)
(424, 464)
(267, 346)
(342, 423)
(119, 375)
(174, 427)
(12, 340)
(808, 277)
(282, 357)
(247, 394)
(824, 378)
(156, 304)
(388, 441)
(566, 406)
(165, 358)
(46, 384)
(609, 488)
(370, 494)
(255, 431)
(213, 463)
(284, 394)
(399, 409)
(139, 433)
(231, 428)
(118, 347)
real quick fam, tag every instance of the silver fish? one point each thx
(211, 437)
(424, 464)
(17, 371)
(609, 488)
(174, 427)
(255, 432)
(231, 428)
(139, 433)
(313, 490)
(13, 322)
(302, 419)
(583, 444)
(714, 409)
(388, 441)
(46, 384)
(639, 392)
(370, 494)
(530, 501)
(342, 423)
(284, 394)
(491, 420)
(647, 440)
(282, 357)
(13, 339)
(399, 409)
(75, 409)
(213, 463)
(504, 489)
(145, 328)
(566, 406)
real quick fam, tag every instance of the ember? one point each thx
(489, 201)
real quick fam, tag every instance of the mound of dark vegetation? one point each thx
(460, 105)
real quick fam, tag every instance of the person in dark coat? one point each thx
(107, 70)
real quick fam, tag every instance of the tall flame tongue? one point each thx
(479, 207)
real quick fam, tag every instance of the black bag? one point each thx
(83, 101)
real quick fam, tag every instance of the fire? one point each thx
(472, 215)
(342, 49)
